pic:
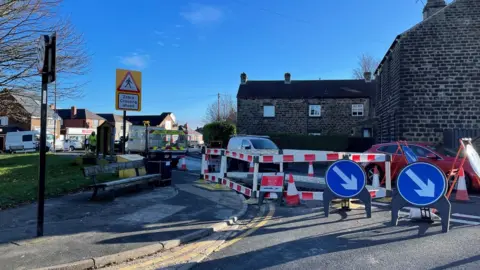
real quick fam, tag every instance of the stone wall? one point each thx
(291, 116)
(439, 76)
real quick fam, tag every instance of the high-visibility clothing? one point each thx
(92, 140)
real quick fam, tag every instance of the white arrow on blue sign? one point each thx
(421, 183)
(345, 178)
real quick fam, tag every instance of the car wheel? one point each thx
(369, 171)
(72, 148)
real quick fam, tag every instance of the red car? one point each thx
(425, 152)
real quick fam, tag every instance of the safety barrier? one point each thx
(257, 157)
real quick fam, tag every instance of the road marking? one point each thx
(252, 230)
(195, 249)
(381, 204)
(465, 216)
(464, 221)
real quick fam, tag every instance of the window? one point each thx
(95, 123)
(314, 110)
(27, 138)
(246, 145)
(388, 148)
(357, 109)
(3, 121)
(421, 152)
(263, 144)
(50, 122)
(168, 125)
(268, 111)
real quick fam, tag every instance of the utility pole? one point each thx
(55, 116)
(218, 107)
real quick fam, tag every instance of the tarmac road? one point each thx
(302, 238)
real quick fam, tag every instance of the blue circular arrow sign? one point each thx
(421, 183)
(345, 178)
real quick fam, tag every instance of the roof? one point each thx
(300, 89)
(413, 28)
(111, 117)
(155, 120)
(81, 114)
(31, 103)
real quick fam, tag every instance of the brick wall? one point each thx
(291, 116)
(439, 75)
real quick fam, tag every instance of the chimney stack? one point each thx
(73, 112)
(243, 78)
(287, 78)
(368, 76)
(432, 7)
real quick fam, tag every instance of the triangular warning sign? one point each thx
(128, 84)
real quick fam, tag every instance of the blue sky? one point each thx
(188, 51)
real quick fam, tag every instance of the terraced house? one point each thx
(429, 80)
(315, 107)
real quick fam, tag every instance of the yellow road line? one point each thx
(252, 230)
(195, 246)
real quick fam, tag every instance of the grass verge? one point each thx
(19, 178)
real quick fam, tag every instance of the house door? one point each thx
(2, 143)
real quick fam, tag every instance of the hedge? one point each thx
(327, 143)
(218, 131)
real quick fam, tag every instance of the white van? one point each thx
(22, 141)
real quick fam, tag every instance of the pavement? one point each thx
(77, 228)
(303, 238)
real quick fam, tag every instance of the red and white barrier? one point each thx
(255, 157)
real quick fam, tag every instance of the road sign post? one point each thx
(422, 185)
(128, 95)
(46, 48)
(346, 180)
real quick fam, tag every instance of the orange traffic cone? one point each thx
(205, 169)
(310, 169)
(376, 178)
(462, 193)
(184, 164)
(251, 169)
(292, 198)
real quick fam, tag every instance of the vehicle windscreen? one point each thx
(263, 144)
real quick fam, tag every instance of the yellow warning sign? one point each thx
(128, 90)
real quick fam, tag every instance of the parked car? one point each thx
(250, 143)
(425, 152)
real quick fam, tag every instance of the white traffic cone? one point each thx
(184, 164)
(292, 198)
(310, 169)
(461, 193)
(375, 178)
(251, 169)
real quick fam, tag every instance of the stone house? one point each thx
(116, 121)
(21, 111)
(315, 107)
(429, 80)
(79, 123)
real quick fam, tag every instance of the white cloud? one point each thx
(202, 14)
(160, 43)
(135, 60)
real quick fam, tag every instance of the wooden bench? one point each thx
(93, 171)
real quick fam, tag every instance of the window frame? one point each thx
(310, 110)
(268, 105)
(355, 109)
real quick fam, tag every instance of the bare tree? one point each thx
(366, 63)
(226, 112)
(21, 24)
